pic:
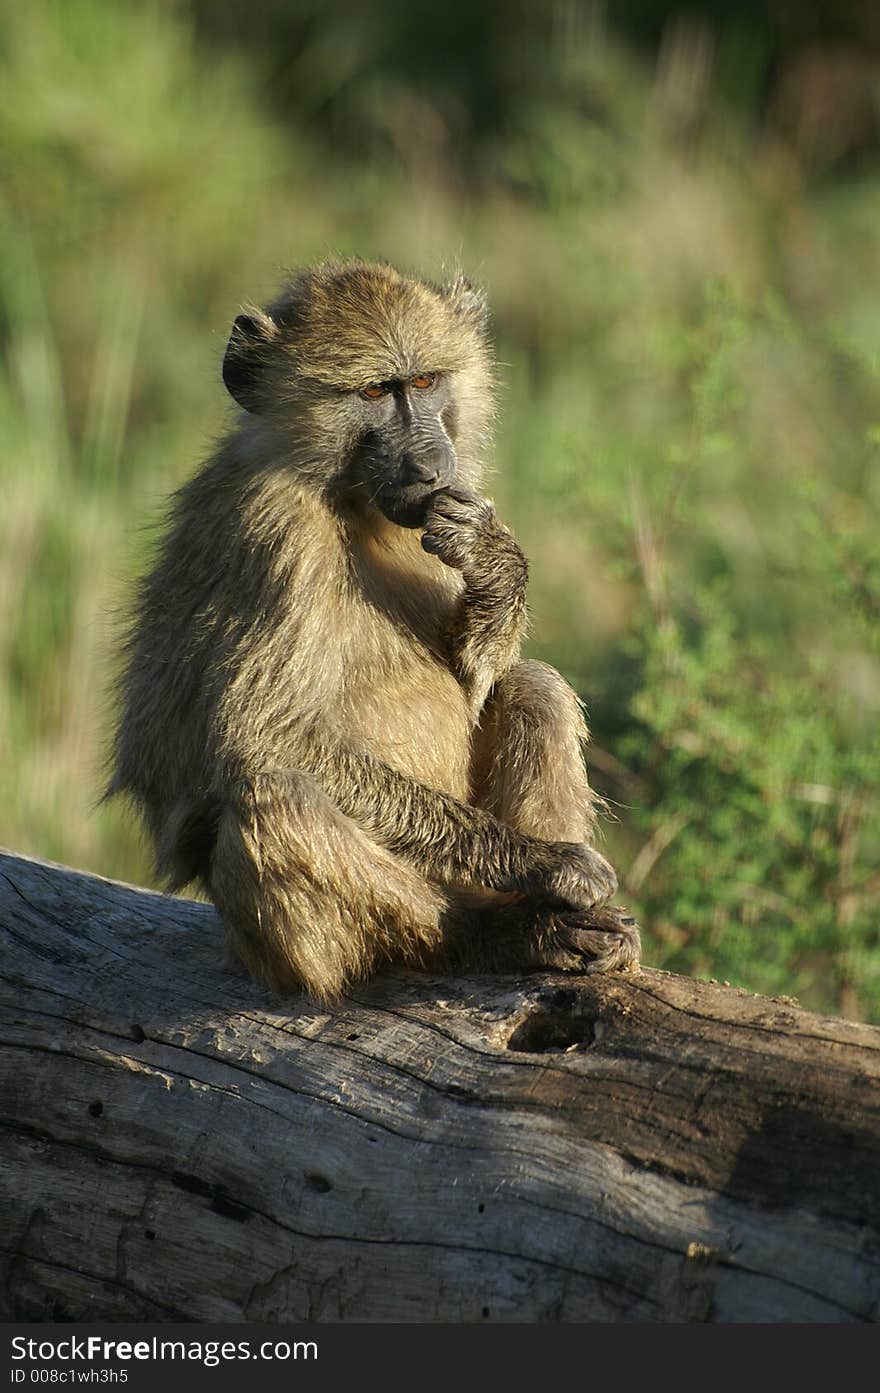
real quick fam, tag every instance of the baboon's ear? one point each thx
(469, 301)
(244, 364)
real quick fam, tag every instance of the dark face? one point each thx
(406, 452)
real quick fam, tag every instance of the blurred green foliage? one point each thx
(687, 306)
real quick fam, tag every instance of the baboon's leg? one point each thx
(529, 772)
(311, 901)
(308, 898)
(529, 764)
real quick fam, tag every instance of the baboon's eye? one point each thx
(374, 391)
(423, 379)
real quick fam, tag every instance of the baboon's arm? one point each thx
(464, 531)
(451, 842)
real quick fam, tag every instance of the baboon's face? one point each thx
(405, 449)
(379, 385)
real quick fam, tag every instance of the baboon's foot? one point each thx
(604, 939)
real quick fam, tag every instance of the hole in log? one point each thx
(353, 1036)
(548, 1029)
(150, 1234)
(137, 1034)
(485, 1313)
(319, 1183)
(95, 1109)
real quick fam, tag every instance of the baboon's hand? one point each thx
(576, 874)
(464, 531)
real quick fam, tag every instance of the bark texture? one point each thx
(178, 1144)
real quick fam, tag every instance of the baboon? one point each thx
(324, 715)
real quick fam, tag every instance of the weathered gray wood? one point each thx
(179, 1145)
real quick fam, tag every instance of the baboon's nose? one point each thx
(431, 468)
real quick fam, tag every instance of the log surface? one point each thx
(179, 1144)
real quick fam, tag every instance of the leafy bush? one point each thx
(759, 814)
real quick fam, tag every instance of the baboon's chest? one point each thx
(399, 696)
(403, 703)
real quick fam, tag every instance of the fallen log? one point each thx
(180, 1145)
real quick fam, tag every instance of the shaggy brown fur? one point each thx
(324, 713)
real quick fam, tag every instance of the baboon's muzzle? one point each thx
(400, 485)
(419, 475)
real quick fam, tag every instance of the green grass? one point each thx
(688, 442)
